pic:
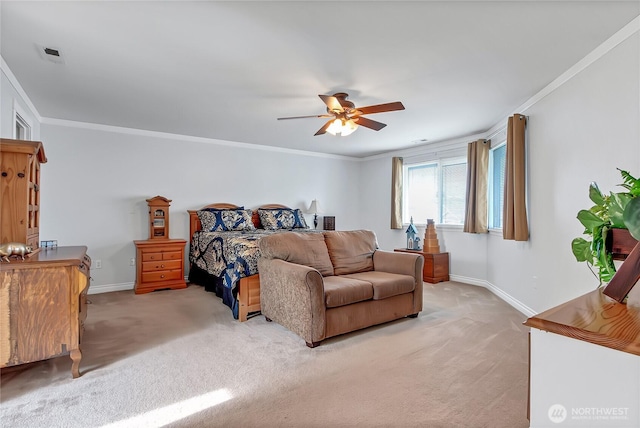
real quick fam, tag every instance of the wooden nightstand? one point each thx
(159, 265)
(436, 265)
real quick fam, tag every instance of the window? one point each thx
(497, 158)
(21, 128)
(435, 190)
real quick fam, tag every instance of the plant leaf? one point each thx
(595, 194)
(582, 250)
(631, 183)
(631, 217)
(617, 204)
(589, 220)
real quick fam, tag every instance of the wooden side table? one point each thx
(159, 265)
(436, 265)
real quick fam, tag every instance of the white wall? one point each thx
(580, 132)
(96, 182)
(10, 99)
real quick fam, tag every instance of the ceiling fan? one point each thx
(346, 117)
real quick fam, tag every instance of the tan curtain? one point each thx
(476, 214)
(396, 193)
(515, 226)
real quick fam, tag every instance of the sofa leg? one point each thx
(268, 319)
(412, 316)
(313, 344)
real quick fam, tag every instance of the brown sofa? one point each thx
(320, 285)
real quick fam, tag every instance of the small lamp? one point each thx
(315, 209)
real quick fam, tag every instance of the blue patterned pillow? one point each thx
(225, 220)
(282, 218)
(300, 223)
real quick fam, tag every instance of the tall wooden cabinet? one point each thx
(43, 306)
(20, 191)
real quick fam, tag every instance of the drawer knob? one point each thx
(161, 266)
(161, 276)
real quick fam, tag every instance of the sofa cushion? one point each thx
(341, 291)
(351, 251)
(386, 284)
(306, 249)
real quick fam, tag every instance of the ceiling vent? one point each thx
(51, 54)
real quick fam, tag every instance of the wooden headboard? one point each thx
(194, 221)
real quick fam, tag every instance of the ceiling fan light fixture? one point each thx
(342, 127)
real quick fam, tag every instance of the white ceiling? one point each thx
(227, 70)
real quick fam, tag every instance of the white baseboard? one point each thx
(518, 305)
(107, 288)
(515, 303)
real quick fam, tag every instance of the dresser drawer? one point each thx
(165, 275)
(164, 255)
(161, 265)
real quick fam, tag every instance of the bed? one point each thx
(225, 261)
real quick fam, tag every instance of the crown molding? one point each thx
(608, 45)
(170, 136)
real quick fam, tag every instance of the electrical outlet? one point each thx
(98, 264)
(132, 262)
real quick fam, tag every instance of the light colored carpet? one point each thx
(177, 358)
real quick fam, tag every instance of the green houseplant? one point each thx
(614, 211)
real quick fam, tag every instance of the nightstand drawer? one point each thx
(165, 255)
(165, 275)
(161, 265)
(147, 257)
(172, 255)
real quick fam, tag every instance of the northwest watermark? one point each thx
(558, 413)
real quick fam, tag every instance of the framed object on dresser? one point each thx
(159, 217)
(329, 222)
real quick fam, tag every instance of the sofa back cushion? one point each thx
(351, 251)
(308, 249)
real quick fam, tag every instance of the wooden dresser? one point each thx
(43, 306)
(159, 265)
(20, 191)
(436, 265)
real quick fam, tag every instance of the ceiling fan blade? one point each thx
(323, 130)
(381, 108)
(332, 103)
(368, 123)
(304, 117)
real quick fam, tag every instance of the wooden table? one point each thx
(591, 362)
(436, 265)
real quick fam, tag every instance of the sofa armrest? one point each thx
(402, 263)
(293, 296)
